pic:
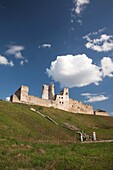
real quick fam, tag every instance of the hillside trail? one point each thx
(98, 141)
(88, 139)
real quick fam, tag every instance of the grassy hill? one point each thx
(19, 122)
(30, 141)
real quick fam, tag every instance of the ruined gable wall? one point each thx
(18, 93)
(17, 96)
(14, 99)
(21, 95)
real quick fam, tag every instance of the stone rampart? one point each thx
(49, 99)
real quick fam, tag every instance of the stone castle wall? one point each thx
(101, 113)
(80, 107)
(50, 99)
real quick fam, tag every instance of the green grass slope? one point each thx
(29, 141)
(17, 121)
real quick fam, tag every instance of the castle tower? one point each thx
(65, 93)
(45, 92)
(24, 93)
(51, 92)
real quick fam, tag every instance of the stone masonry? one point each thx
(50, 99)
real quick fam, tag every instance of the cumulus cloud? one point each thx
(15, 50)
(94, 97)
(74, 71)
(79, 5)
(45, 46)
(100, 43)
(4, 61)
(107, 66)
(79, 70)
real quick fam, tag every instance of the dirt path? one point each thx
(100, 141)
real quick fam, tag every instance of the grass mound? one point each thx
(30, 141)
(17, 121)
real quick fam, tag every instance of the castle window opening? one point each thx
(62, 102)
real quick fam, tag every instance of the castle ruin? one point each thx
(50, 99)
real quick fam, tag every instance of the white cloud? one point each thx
(107, 66)
(4, 61)
(7, 99)
(15, 50)
(18, 55)
(22, 62)
(94, 33)
(74, 71)
(94, 97)
(79, 5)
(102, 43)
(45, 46)
(79, 70)
(88, 94)
(97, 98)
(11, 63)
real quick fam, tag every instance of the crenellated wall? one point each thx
(50, 99)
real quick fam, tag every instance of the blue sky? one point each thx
(68, 43)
